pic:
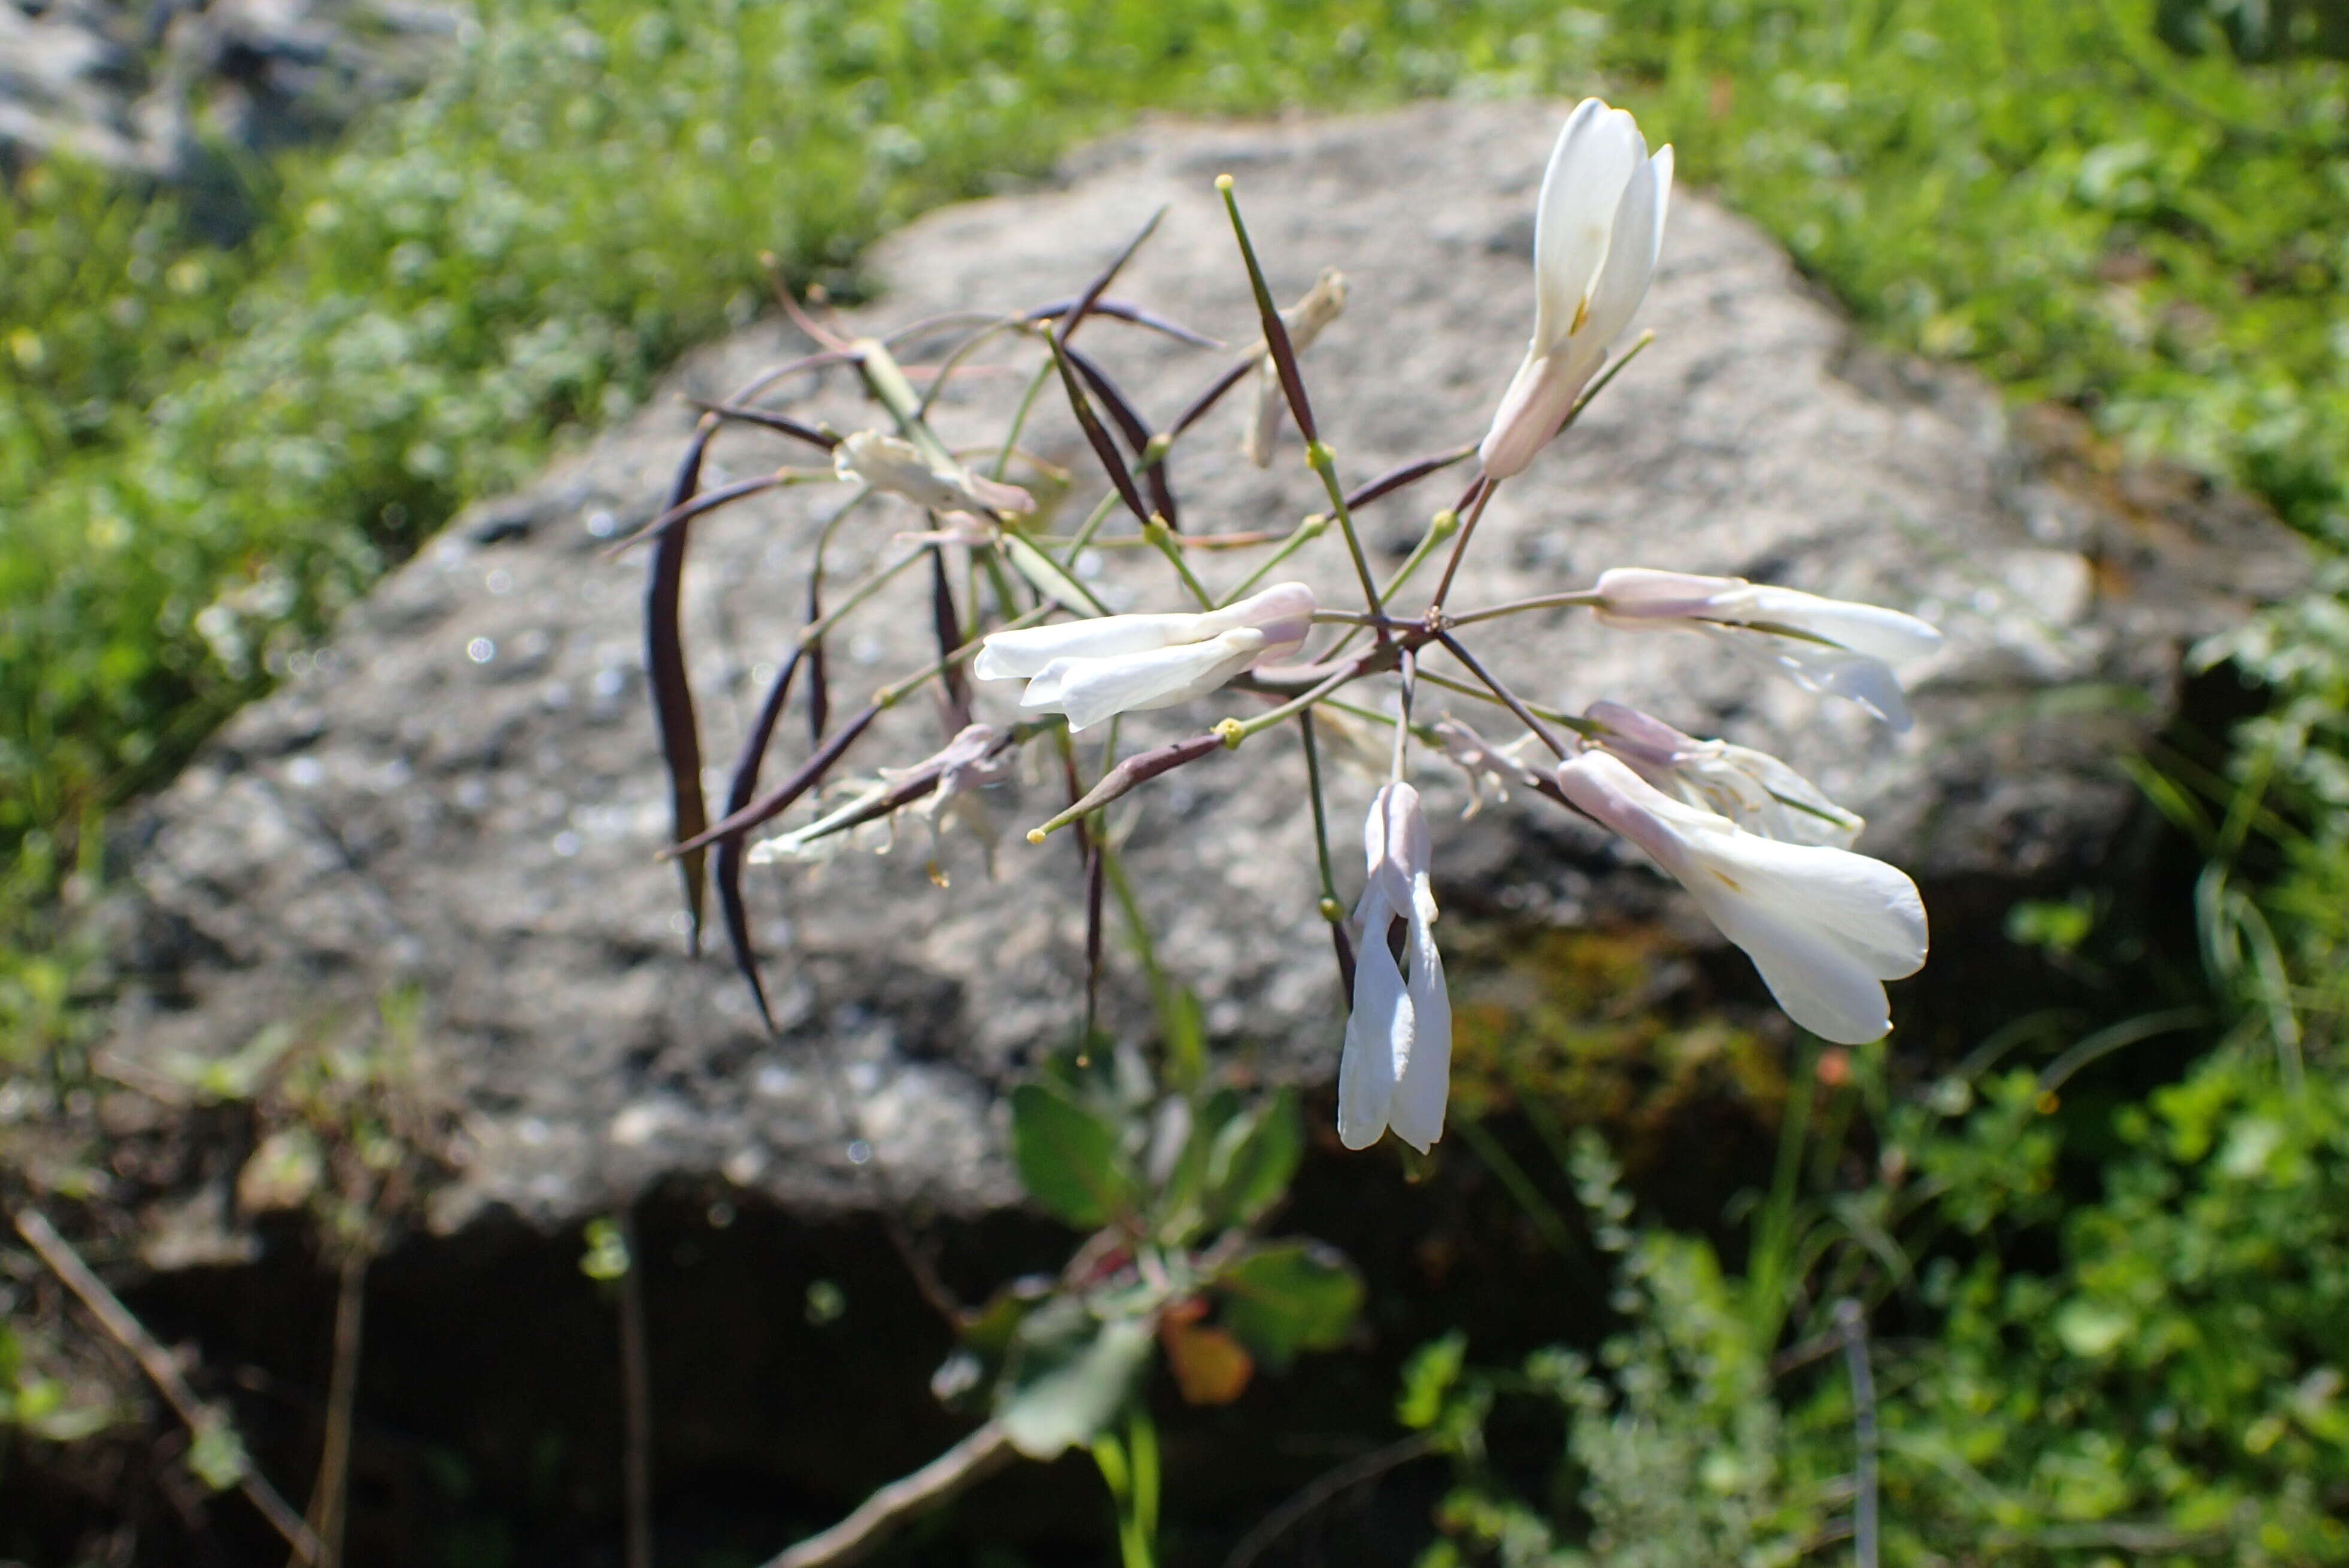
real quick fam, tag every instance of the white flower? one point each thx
(1121, 664)
(1396, 1072)
(980, 755)
(1752, 789)
(1825, 926)
(1304, 320)
(1820, 644)
(896, 466)
(1490, 769)
(1596, 235)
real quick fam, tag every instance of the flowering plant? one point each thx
(1175, 1174)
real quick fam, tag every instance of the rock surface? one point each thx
(141, 86)
(462, 792)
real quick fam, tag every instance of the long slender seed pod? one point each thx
(672, 692)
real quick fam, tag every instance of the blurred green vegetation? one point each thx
(2163, 1386)
(2138, 208)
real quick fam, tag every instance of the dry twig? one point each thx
(970, 1461)
(158, 1366)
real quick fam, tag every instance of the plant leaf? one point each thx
(1068, 1158)
(1253, 1160)
(1069, 1375)
(1290, 1297)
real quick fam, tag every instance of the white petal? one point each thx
(1815, 666)
(1283, 613)
(994, 494)
(1588, 168)
(1871, 629)
(1638, 238)
(1871, 908)
(1417, 1112)
(1020, 654)
(1822, 984)
(1606, 788)
(1641, 739)
(1091, 690)
(1264, 425)
(1645, 593)
(1378, 1040)
(1539, 399)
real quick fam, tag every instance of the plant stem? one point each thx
(1331, 910)
(1854, 1324)
(1325, 463)
(1162, 536)
(1303, 534)
(330, 1492)
(1019, 417)
(1581, 596)
(160, 1366)
(637, 1400)
(1525, 714)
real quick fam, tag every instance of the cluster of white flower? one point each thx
(1765, 854)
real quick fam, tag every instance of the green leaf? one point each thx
(1428, 1377)
(1290, 1297)
(217, 1456)
(1069, 1375)
(1186, 1025)
(606, 1257)
(1253, 1160)
(1068, 1158)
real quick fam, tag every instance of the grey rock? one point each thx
(462, 791)
(141, 87)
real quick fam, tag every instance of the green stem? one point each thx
(1579, 598)
(1159, 534)
(1325, 463)
(1019, 417)
(1584, 727)
(895, 693)
(1302, 534)
(1331, 910)
(1084, 535)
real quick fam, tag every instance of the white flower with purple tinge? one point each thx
(1597, 233)
(896, 467)
(1752, 789)
(1821, 644)
(1825, 926)
(1490, 768)
(1093, 669)
(1396, 1073)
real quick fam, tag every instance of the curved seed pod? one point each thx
(727, 864)
(1138, 769)
(672, 693)
(1136, 432)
